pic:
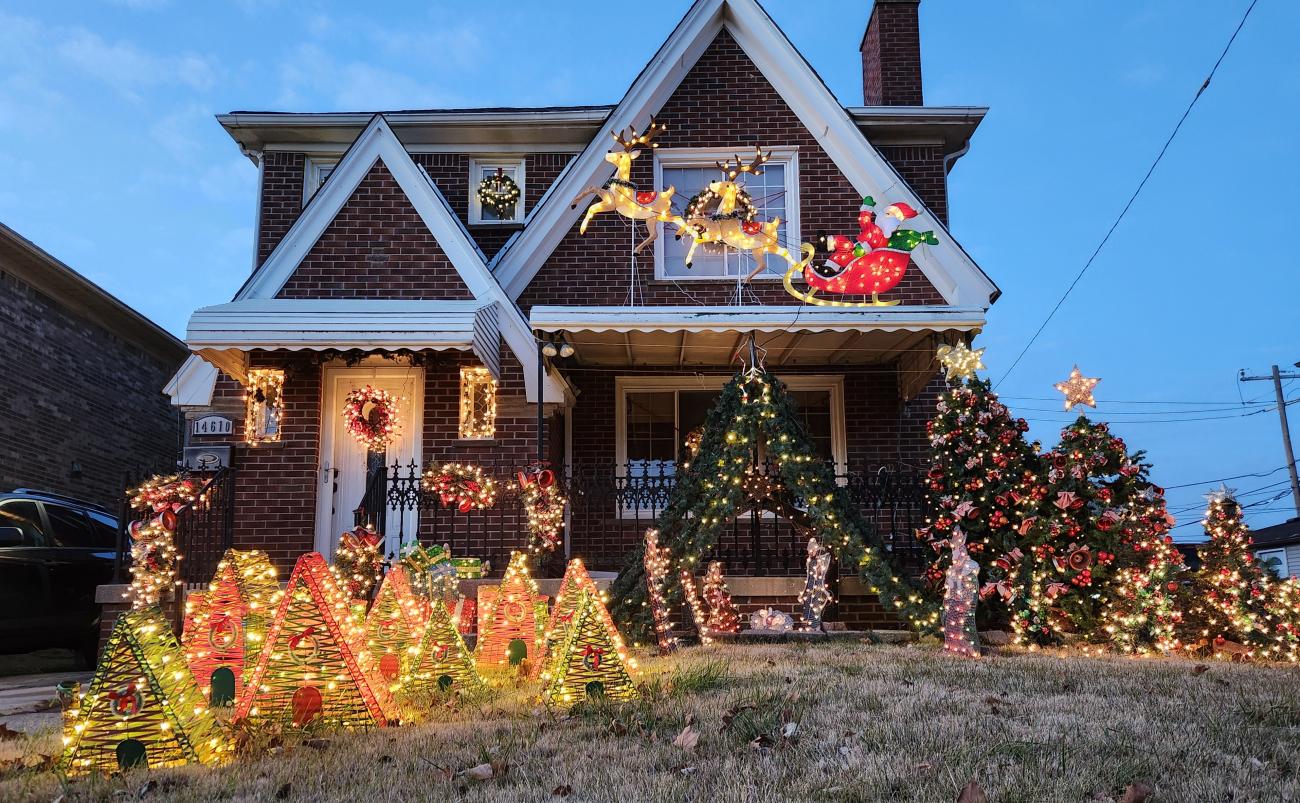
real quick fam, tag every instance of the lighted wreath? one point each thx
(461, 485)
(498, 193)
(544, 504)
(370, 416)
(704, 204)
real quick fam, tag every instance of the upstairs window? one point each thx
(502, 177)
(774, 193)
(317, 169)
(478, 404)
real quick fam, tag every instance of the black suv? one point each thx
(54, 552)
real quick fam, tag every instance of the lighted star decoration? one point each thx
(960, 361)
(1078, 390)
(1221, 494)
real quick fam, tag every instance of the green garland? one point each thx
(710, 493)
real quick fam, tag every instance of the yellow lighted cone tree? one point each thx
(394, 623)
(510, 617)
(592, 660)
(439, 661)
(143, 708)
(225, 626)
(315, 667)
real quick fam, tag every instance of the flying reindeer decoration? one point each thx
(731, 224)
(621, 195)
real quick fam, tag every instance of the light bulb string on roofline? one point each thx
(1132, 198)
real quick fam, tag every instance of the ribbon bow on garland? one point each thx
(592, 657)
(544, 505)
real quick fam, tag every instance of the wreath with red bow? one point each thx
(544, 505)
(370, 416)
(463, 486)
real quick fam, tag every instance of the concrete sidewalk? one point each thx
(29, 703)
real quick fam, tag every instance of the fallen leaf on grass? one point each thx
(687, 739)
(1201, 669)
(1136, 792)
(482, 772)
(317, 744)
(563, 790)
(145, 789)
(8, 734)
(618, 728)
(924, 765)
(972, 793)
(284, 791)
(789, 729)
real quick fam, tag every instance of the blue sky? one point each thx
(110, 159)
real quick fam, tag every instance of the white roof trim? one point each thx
(378, 143)
(952, 272)
(193, 383)
(753, 319)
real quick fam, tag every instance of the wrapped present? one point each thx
(470, 568)
(465, 611)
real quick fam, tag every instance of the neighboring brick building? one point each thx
(81, 376)
(376, 264)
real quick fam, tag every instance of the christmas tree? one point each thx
(575, 581)
(315, 666)
(509, 619)
(225, 626)
(394, 622)
(592, 660)
(984, 479)
(723, 616)
(754, 414)
(143, 707)
(439, 660)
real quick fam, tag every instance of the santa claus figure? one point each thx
(872, 262)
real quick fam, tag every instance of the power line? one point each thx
(1135, 194)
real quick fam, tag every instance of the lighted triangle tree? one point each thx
(143, 707)
(509, 632)
(315, 666)
(439, 659)
(395, 622)
(575, 581)
(225, 626)
(591, 662)
(754, 408)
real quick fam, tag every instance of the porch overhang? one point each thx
(689, 337)
(224, 334)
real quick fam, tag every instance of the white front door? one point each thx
(342, 476)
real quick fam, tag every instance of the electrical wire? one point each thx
(1132, 198)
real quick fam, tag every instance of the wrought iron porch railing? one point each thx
(610, 507)
(203, 533)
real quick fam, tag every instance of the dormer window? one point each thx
(318, 168)
(492, 185)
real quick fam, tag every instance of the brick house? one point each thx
(80, 380)
(376, 263)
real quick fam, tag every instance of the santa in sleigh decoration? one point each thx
(869, 264)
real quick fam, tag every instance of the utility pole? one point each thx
(1276, 377)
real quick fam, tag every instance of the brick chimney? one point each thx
(891, 55)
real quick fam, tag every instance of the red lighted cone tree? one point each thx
(315, 666)
(510, 618)
(143, 707)
(225, 627)
(394, 623)
(723, 616)
(592, 662)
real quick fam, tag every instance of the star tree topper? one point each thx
(1078, 390)
(960, 361)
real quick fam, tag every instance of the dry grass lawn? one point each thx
(837, 721)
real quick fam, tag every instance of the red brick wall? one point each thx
(376, 247)
(282, 184)
(724, 102)
(891, 55)
(72, 391)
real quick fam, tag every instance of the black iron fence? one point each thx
(203, 532)
(611, 505)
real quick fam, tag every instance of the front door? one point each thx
(343, 460)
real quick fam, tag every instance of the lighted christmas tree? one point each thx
(1228, 602)
(439, 660)
(816, 594)
(723, 616)
(143, 707)
(575, 581)
(395, 622)
(225, 626)
(509, 619)
(315, 666)
(984, 478)
(655, 561)
(592, 661)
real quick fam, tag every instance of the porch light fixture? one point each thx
(557, 347)
(263, 405)
(478, 403)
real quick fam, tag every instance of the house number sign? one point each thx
(213, 425)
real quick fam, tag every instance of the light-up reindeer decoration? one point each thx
(621, 195)
(730, 226)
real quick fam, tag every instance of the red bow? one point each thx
(592, 656)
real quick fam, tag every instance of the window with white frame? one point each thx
(774, 193)
(317, 169)
(656, 415)
(1275, 561)
(487, 169)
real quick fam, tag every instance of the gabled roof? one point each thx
(378, 143)
(1288, 532)
(952, 272)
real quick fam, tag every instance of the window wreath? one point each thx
(704, 204)
(370, 415)
(463, 485)
(499, 193)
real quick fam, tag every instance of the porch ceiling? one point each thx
(224, 334)
(699, 336)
